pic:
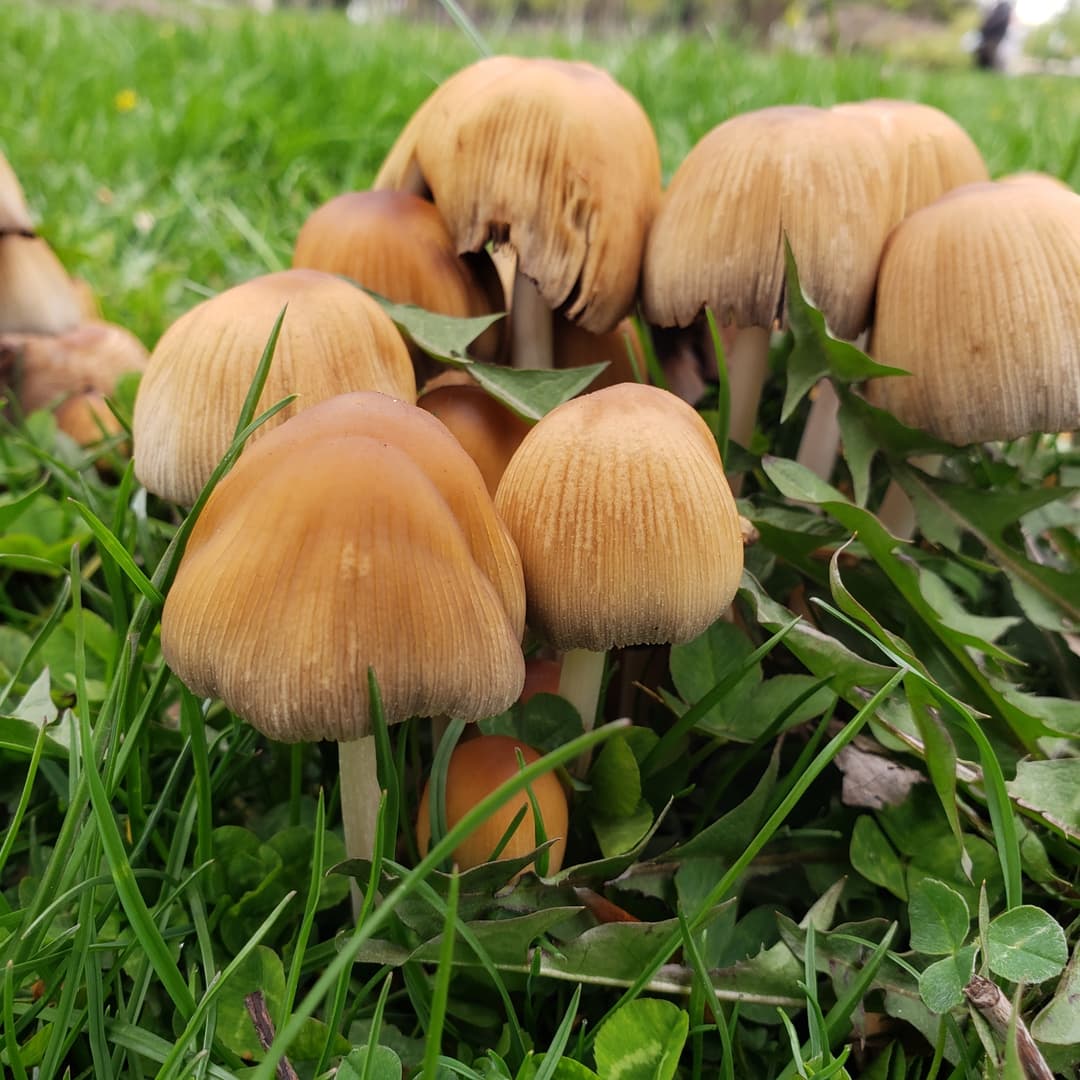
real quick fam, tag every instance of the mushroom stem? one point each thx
(580, 682)
(357, 763)
(821, 436)
(530, 326)
(896, 512)
(748, 365)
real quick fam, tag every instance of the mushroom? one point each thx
(328, 551)
(334, 339)
(817, 177)
(36, 294)
(552, 159)
(626, 527)
(397, 245)
(476, 769)
(14, 213)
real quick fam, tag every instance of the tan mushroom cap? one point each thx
(932, 153)
(87, 418)
(397, 244)
(36, 294)
(42, 369)
(443, 461)
(1033, 177)
(14, 213)
(978, 300)
(819, 176)
(551, 157)
(319, 559)
(625, 523)
(486, 429)
(334, 339)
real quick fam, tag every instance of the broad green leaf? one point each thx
(1059, 1022)
(618, 835)
(873, 856)
(1025, 944)
(506, 941)
(386, 1065)
(533, 394)
(444, 336)
(795, 481)
(642, 1041)
(615, 780)
(1052, 789)
(19, 731)
(566, 1069)
(942, 983)
(699, 665)
(543, 722)
(939, 918)
(11, 508)
(609, 867)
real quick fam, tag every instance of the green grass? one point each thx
(242, 125)
(161, 860)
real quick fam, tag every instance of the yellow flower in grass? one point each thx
(126, 100)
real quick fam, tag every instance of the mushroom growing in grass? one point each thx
(551, 159)
(328, 550)
(626, 526)
(334, 339)
(14, 213)
(36, 294)
(397, 245)
(820, 178)
(476, 769)
(977, 299)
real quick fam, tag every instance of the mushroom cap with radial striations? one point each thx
(46, 368)
(318, 559)
(551, 157)
(932, 153)
(14, 213)
(334, 339)
(36, 294)
(626, 526)
(977, 299)
(821, 177)
(443, 461)
(487, 430)
(397, 244)
(1033, 177)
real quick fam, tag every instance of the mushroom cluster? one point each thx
(55, 352)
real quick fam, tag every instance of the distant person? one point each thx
(988, 54)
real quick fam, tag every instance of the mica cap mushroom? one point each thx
(334, 339)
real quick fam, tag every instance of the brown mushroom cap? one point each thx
(818, 176)
(36, 294)
(932, 153)
(334, 339)
(554, 159)
(397, 245)
(977, 299)
(14, 213)
(43, 369)
(87, 418)
(317, 559)
(625, 523)
(487, 430)
(437, 453)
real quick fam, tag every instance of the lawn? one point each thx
(832, 816)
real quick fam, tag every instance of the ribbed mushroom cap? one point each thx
(932, 153)
(36, 294)
(14, 214)
(443, 461)
(334, 339)
(318, 559)
(978, 300)
(551, 157)
(41, 369)
(487, 430)
(821, 177)
(625, 523)
(397, 244)
(1035, 178)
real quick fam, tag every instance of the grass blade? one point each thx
(433, 1035)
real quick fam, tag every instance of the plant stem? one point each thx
(987, 997)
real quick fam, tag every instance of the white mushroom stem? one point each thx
(821, 436)
(530, 327)
(580, 681)
(748, 365)
(360, 797)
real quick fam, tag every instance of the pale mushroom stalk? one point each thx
(580, 682)
(531, 326)
(897, 512)
(357, 761)
(821, 436)
(746, 376)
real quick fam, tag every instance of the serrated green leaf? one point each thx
(446, 337)
(1059, 1022)
(1052, 789)
(642, 1040)
(533, 394)
(939, 918)
(1026, 944)
(795, 481)
(942, 984)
